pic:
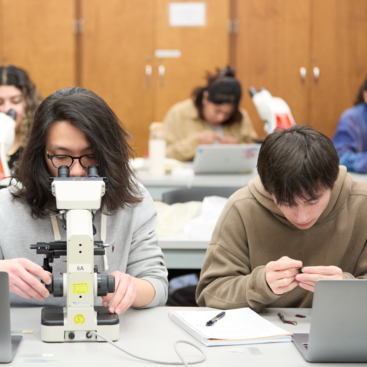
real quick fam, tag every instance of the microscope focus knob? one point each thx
(57, 285)
(111, 284)
(106, 284)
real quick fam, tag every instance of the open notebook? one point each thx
(240, 326)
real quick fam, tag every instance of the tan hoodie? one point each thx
(182, 125)
(252, 231)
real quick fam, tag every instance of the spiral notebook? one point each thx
(240, 326)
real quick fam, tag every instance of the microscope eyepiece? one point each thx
(64, 171)
(93, 171)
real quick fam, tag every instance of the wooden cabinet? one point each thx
(38, 36)
(279, 37)
(119, 59)
(110, 47)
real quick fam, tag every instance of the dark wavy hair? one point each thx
(360, 98)
(297, 162)
(227, 74)
(17, 77)
(90, 114)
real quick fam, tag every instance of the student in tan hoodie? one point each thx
(303, 210)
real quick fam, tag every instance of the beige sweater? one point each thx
(252, 231)
(182, 125)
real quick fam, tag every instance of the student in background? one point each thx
(18, 92)
(76, 128)
(212, 116)
(350, 138)
(303, 210)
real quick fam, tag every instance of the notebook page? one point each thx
(242, 323)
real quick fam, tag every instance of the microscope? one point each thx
(77, 199)
(273, 110)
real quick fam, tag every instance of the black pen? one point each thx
(215, 319)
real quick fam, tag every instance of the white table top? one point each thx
(151, 333)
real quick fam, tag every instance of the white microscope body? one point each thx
(7, 134)
(273, 110)
(77, 198)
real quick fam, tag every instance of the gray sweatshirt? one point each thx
(130, 232)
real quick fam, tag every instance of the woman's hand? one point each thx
(208, 137)
(228, 140)
(22, 278)
(129, 291)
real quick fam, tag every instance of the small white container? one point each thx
(157, 149)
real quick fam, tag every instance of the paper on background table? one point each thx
(240, 324)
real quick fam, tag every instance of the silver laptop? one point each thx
(338, 324)
(8, 343)
(222, 158)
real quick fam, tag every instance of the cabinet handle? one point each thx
(148, 75)
(303, 73)
(316, 76)
(161, 72)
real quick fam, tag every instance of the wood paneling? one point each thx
(272, 45)
(339, 50)
(38, 36)
(117, 46)
(203, 49)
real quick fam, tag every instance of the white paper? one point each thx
(163, 54)
(187, 14)
(202, 227)
(237, 324)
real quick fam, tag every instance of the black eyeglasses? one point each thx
(85, 161)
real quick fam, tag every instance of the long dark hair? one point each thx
(223, 87)
(360, 97)
(17, 77)
(91, 115)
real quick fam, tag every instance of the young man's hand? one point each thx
(281, 274)
(311, 274)
(129, 291)
(22, 278)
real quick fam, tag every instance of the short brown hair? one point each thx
(297, 162)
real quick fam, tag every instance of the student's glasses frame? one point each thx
(59, 160)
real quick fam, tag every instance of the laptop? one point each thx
(338, 324)
(8, 343)
(223, 158)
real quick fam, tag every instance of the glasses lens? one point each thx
(88, 160)
(61, 160)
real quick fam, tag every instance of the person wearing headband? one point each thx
(212, 116)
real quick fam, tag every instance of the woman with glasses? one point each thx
(74, 127)
(18, 93)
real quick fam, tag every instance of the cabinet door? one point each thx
(117, 51)
(339, 51)
(203, 49)
(38, 36)
(272, 45)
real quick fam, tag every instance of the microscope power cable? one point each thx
(153, 360)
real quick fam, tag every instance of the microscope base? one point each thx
(53, 329)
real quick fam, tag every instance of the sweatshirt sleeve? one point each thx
(227, 280)
(179, 145)
(146, 260)
(348, 143)
(360, 271)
